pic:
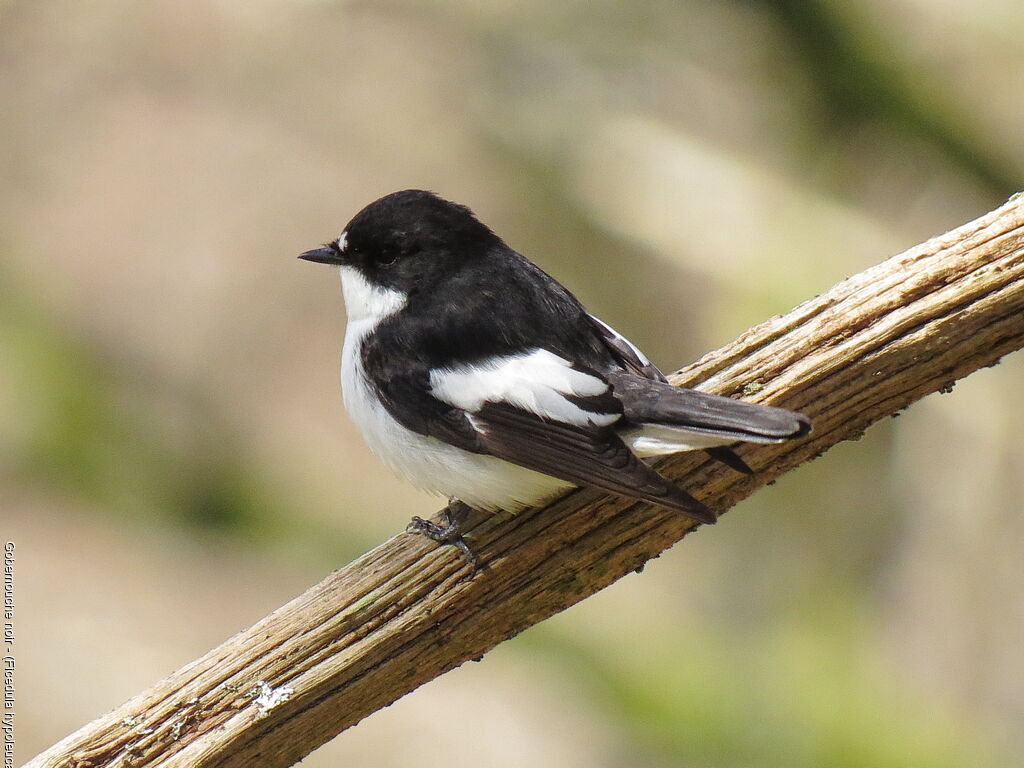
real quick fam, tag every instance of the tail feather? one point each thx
(645, 401)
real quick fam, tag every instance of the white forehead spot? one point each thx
(342, 241)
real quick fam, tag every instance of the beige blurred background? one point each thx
(174, 457)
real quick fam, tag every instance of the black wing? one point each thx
(626, 352)
(594, 456)
(589, 455)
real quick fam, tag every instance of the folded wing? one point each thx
(538, 411)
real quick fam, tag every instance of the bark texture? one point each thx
(404, 613)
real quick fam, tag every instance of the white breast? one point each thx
(483, 482)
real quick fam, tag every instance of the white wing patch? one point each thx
(536, 381)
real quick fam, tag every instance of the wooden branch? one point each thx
(405, 612)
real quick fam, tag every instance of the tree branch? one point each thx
(405, 612)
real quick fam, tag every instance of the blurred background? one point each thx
(175, 461)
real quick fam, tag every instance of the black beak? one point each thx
(324, 255)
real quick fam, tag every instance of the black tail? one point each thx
(645, 401)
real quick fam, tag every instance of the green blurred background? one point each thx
(174, 457)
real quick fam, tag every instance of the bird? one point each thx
(476, 375)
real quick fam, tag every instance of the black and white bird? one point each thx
(474, 374)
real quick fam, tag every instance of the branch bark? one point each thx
(404, 613)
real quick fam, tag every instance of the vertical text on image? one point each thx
(7, 713)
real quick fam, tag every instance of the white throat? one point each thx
(365, 303)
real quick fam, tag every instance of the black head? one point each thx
(405, 238)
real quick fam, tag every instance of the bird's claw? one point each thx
(450, 532)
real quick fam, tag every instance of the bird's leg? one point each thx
(454, 516)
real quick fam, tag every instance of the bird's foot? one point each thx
(450, 532)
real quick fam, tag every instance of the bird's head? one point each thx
(406, 240)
